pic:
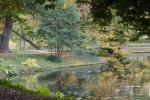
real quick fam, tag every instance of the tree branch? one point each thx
(27, 40)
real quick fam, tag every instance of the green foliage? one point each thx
(6, 69)
(8, 84)
(59, 26)
(120, 65)
(135, 13)
(1, 60)
(102, 52)
(133, 34)
(60, 95)
(15, 62)
(54, 58)
(14, 7)
(47, 5)
(30, 62)
(134, 37)
(43, 91)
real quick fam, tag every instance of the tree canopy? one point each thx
(60, 27)
(133, 12)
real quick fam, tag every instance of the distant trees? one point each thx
(60, 26)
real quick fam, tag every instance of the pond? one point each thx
(90, 82)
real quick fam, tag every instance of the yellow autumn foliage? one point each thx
(146, 63)
(30, 63)
(110, 45)
(72, 80)
(2, 25)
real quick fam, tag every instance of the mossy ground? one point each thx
(9, 91)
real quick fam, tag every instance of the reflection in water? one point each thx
(93, 86)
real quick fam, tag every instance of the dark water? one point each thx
(91, 85)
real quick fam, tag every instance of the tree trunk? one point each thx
(59, 51)
(5, 37)
(22, 41)
(27, 40)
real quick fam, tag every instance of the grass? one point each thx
(8, 84)
(39, 92)
(42, 91)
(15, 61)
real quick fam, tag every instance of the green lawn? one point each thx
(14, 61)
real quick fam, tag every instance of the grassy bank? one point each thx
(21, 62)
(10, 91)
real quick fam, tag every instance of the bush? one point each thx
(43, 91)
(30, 63)
(6, 69)
(104, 52)
(60, 95)
(54, 58)
(134, 36)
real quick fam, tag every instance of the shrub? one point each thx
(60, 95)
(6, 69)
(104, 52)
(54, 58)
(30, 63)
(43, 91)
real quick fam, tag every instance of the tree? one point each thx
(60, 26)
(134, 12)
(9, 12)
(9, 9)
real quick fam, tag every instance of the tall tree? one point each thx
(8, 10)
(60, 26)
(134, 12)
